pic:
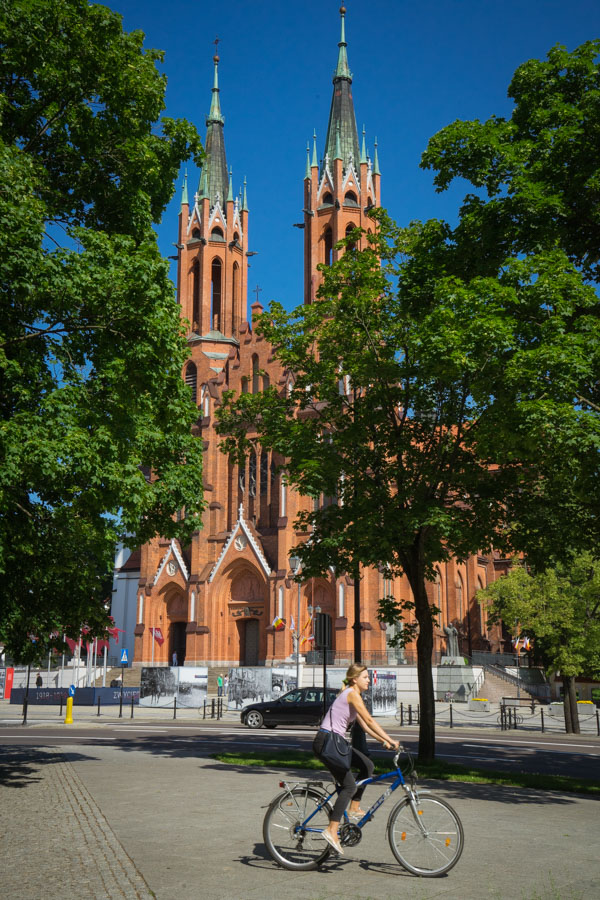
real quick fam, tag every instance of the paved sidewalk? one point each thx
(138, 819)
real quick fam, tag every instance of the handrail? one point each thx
(535, 690)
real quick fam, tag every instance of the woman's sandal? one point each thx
(335, 844)
(357, 815)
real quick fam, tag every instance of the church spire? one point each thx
(341, 115)
(214, 170)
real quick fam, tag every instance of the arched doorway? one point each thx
(177, 643)
(249, 642)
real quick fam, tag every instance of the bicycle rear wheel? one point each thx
(429, 843)
(289, 843)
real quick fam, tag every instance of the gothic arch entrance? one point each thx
(247, 592)
(177, 643)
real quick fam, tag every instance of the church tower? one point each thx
(213, 239)
(339, 191)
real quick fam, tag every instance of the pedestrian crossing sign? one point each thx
(124, 657)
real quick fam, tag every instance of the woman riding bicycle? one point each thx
(347, 708)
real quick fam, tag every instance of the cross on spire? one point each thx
(257, 291)
(216, 42)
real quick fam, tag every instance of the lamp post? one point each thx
(295, 568)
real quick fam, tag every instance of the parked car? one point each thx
(303, 706)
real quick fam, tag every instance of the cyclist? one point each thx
(347, 708)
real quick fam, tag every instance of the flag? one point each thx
(374, 676)
(515, 643)
(158, 636)
(278, 623)
(526, 644)
(311, 637)
(114, 633)
(292, 625)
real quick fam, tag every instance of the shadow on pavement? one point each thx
(20, 766)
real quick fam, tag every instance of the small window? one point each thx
(236, 237)
(328, 199)
(266, 382)
(328, 246)
(244, 385)
(350, 199)
(191, 379)
(196, 234)
(252, 476)
(255, 375)
(264, 474)
(217, 234)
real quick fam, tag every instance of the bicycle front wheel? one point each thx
(428, 840)
(293, 842)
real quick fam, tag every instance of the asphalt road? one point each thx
(549, 754)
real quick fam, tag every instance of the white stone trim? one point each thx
(217, 215)
(351, 174)
(173, 549)
(241, 525)
(195, 213)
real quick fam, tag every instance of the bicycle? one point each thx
(424, 832)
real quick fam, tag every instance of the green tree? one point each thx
(440, 368)
(91, 346)
(539, 168)
(560, 609)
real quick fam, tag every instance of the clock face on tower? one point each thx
(172, 567)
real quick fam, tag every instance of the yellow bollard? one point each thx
(69, 716)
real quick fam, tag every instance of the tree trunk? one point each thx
(570, 705)
(416, 577)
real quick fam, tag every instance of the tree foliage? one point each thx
(560, 609)
(91, 347)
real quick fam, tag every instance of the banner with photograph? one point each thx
(161, 685)
(248, 684)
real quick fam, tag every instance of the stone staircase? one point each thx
(494, 688)
(131, 677)
(213, 673)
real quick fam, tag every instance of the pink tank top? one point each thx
(340, 714)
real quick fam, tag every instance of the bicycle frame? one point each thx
(398, 782)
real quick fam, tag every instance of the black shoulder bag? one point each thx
(336, 750)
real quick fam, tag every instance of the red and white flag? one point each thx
(374, 676)
(158, 636)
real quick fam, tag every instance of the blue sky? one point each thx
(416, 67)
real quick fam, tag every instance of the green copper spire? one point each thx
(314, 164)
(376, 161)
(307, 171)
(342, 68)
(245, 199)
(341, 114)
(215, 180)
(215, 105)
(338, 146)
(184, 191)
(230, 192)
(363, 151)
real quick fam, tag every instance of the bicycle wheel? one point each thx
(430, 843)
(290, 845)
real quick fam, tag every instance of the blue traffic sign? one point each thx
(72, 690)
(124, 657)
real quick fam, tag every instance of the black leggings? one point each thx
(344, 777)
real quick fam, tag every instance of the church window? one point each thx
(205, 400)
(280, 603)
(244, 385)
(196, 296)
(235, 307)
(350, 199)
(255, 376)
(215, 294)
(242, 479)
(191, 379)
(438, 591)
(252, 476)
(328, 246)
(459, 597)
(349, 229)
(264, 474)
(341, 600)
(217, 234)
(328, 199)
(236, 237)
(140, 609)
(266, 382)
(196, 234)
(282, 503)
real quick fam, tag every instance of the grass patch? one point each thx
(441, 771)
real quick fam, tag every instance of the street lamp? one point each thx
(295, 568)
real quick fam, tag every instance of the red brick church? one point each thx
(215, 600)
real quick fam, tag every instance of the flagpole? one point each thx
(62, 668)
(104, 668)
(152, 638)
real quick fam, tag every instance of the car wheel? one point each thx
(254, 719)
